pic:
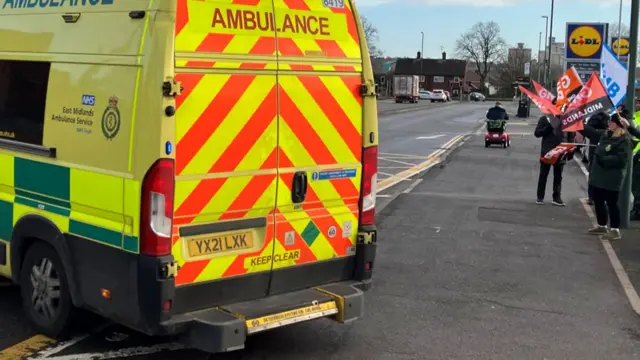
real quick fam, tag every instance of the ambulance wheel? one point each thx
(45, 291)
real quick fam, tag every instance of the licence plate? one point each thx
(220, 244)
(291, 317)
(495, 135)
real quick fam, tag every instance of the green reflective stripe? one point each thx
(41, 206)
(43, 199)
(42, 178)
(6, 220)
(131, 244)
(98, 234)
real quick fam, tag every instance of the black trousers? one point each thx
(603, 200)
(557, 179)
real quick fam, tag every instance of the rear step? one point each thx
(226, 328)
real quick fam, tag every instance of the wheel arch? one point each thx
(31, 228)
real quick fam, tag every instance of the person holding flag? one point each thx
(607, 173)
(598, 121)
(551, 135)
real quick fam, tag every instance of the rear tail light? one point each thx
(368, 189)
(156, 217)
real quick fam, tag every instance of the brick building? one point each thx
(437, 73)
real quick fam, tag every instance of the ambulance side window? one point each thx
(23, 97)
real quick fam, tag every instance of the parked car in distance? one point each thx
(438, 95)
(448, 95)
(424, 95)
(476, 96)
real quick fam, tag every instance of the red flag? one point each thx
(542, 92)
(569, 85)
(543, 104)
(592, 98)
(557, 152)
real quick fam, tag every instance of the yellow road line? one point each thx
(433, 159)
(26, 348)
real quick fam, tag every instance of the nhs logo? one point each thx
(88, 100)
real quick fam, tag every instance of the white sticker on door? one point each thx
(347, 230)
(289, 238)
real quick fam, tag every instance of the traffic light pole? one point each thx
(625, 193)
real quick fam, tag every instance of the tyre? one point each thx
(504, 144)
(486, 144)
(45, 292)
(433, 101)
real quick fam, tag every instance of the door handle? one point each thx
(299, 188)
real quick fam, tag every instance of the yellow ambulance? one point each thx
(202, 168)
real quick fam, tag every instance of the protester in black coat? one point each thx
(552, 136)
(598, 121)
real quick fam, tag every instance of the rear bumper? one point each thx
(226, 328)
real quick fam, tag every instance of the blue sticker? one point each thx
(334, 174)
(88, 100)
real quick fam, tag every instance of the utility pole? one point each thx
(625, 193)
(421, 57)
(538, 57)
(619, 29)
(546, 37)
(550, 45)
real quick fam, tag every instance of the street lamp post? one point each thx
(550, 45)
(539, 45)
(546, 37)
(421, 57)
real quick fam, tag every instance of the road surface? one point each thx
(407, 139)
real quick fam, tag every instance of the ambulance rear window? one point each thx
(23, 96)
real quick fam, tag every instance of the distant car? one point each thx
(448, 95)
(424, 95)
(476, 96)
(438, 95)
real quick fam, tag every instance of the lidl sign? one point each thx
(620, 46)
(584, 41)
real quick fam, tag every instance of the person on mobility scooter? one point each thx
(496, 127)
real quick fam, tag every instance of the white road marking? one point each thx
(582, 167)
(113, 354)
(397, 161)
(383, 195)
(629, 290)
(412, 186)
(433, 159)
(429, 137)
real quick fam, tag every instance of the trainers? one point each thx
(598, 230)
(558, 202)
(539, 201)
(612, 234)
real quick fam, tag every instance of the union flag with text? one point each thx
(592, 98)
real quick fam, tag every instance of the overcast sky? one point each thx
(401, 21)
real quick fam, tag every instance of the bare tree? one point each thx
(507, 70)
(371, 35)
(624, 29)
(482, 45)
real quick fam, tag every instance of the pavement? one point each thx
(468, 266)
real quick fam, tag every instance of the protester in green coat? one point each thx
(610, 161)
